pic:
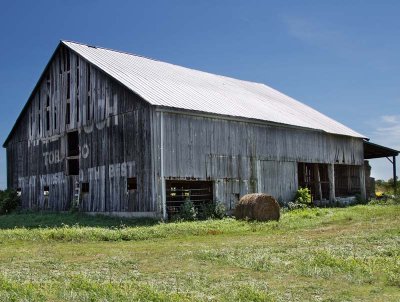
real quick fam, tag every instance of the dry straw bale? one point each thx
(258, 206)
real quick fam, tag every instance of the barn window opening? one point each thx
(64, 60)
(31, 123)
(77, 80)
(55, 117)
(88, 77)
(60, 61)
(178, 191)
(84, 187)
(48, 82)
(39, 122)
(77, 73)
(48, 113)
(19, 192)
(73, 166)
(46, 191)
(68, 59)
(48, 119)
(88, 113)
(68, 113)
(73, 143)
(77, 110)
(131, 184)
(68, 86)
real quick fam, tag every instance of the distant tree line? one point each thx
(386, 186)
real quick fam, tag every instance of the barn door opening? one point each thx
(347, 180)
(179, 191)
(314, 177)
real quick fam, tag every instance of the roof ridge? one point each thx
(111, 49)
(157, 60)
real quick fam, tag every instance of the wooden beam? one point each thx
(349, 180)
(394, 175)
(363, 190)
(331, 178)
(318, 188)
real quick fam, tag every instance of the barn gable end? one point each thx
(79, 127)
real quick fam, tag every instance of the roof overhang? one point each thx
(372, 150)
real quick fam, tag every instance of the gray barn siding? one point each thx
(122, 138)
(117, 134)
(243, 157)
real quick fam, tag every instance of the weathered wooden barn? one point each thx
(113, 132)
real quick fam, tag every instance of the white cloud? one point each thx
(303, 29)
(320, 35)
(387, 132)
(337, 40)
(391, 119)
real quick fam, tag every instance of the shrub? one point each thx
(9, 201)
(388, 200)
(215, 210)
(303, 196)
(187, 212)
(219, 210)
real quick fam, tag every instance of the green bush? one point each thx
(388, 200)
(214, 210)
(9, 201)
(219, 210)
(303, 196)
(187, 212)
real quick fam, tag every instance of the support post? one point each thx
(331, 177)
(349, 188)
(363, 191)
(318, 187)
(163, 189)
(394, 175)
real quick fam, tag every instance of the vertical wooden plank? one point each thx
(349, 185)
(331, 178)
(318, 187)
(363, 191)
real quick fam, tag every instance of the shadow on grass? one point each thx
(33, 220)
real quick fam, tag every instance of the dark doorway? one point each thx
(179, 191)
(314, 177)
(347, 180)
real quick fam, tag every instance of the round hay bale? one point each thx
(257, 206)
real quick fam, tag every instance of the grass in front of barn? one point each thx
(350, 254)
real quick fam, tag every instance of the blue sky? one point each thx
(340, 57)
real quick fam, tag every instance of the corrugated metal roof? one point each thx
(165, 84)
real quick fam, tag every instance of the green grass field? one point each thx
(350, 254)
